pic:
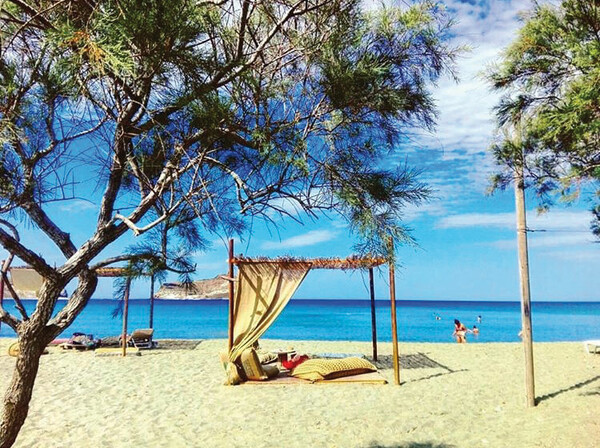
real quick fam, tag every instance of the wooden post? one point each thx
(394, 322)
(125, 316)
(373, 318)
(151, 324)
(230, 274)
(526, 333)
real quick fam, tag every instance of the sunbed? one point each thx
(142, 338)
(591, 343)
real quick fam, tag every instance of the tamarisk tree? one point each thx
(223, 108)
(550, 80)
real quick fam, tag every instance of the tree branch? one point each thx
(79, 299)
(29, 257)
(15, 296)
(60, 238)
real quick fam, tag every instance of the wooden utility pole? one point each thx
(125, 316)
(230, 274)
(526, 333)
(373, 318)
(394, 322)
(151, 323)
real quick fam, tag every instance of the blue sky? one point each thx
(467, 243)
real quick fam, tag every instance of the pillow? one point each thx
(267, 357)
(327, 369)
(231, 370)
(271, 371)
(251, 365)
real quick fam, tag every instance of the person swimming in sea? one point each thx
(479, 319)
(475, 330)
(437, 316)
(460, 332)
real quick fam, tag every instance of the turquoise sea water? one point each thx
(345, 320)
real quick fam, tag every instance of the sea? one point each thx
(342, 320)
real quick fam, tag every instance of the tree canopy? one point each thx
(550, 76)
(219, 108)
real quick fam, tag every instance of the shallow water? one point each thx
(345, 320)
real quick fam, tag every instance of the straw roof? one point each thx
(351, 262)
(111, 272)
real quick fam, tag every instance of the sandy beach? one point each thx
(451, 396)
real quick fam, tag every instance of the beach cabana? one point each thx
(264, 286)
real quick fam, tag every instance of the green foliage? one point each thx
(551, 78)
(223, 112)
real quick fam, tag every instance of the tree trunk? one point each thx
(18, 395)
(34, 336)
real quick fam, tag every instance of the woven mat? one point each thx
(178, 344)
(410, 361)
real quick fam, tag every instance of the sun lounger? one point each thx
(142, 338)
(591, 343)
(79, 347)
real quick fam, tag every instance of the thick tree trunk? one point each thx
(34, 336)
(18, 395)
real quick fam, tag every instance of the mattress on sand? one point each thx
(362, 378)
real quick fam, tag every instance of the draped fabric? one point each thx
(262, 291)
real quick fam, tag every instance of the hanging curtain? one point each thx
(262, 292)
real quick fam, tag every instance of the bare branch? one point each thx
(112, 260)
(76, 303)
(29, 257)
(15, 296)
(60, 238)
(137, 231)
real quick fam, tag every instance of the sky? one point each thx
(466, 239)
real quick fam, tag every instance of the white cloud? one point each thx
(285, 206)
(465, 124)
(565, 221)
(77, 205)
(308, 239)
(497, 220)
(535, 240)
(435, 207)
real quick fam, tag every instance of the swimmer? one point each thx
(460, 331)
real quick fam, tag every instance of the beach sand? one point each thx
(451, 395)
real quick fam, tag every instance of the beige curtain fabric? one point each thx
(262, 292)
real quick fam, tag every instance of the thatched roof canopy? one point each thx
(351, 262)
(111, 272)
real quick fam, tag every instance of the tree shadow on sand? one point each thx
(415, 361)
(593, 392)
(572, 388)
(412, 445)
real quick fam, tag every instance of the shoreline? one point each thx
(351, 341)
(383, 301)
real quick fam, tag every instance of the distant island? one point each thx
(213, 288)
